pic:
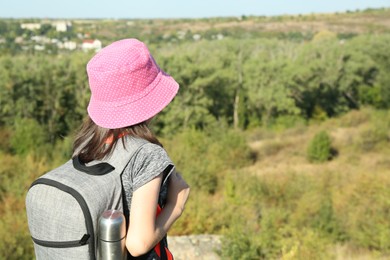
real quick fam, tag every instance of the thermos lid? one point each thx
(112, 226)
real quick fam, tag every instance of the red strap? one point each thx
(157, 247)
(169, 254)
(157, 250)
(110, 139)
(158, 210)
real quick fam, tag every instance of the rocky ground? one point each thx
(195, 247)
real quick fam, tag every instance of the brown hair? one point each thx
(91, 140)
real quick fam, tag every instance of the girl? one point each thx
(127, 90)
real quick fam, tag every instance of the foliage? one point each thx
(263, 81)
(362, 210)
(16, 174)
(301, 215)
(16, 242)
(28, 136)
(306, 244)
(204, 157)
(376, 133)
(52, 92)
(287, 215)
(320, 148)
(244, 83)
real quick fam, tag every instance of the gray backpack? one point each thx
(63, 205)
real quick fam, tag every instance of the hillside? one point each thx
(359, 139)
(255, 93)
(50, 39)
(298, 27)
(351, 190)
(369, 21)
(302, 205)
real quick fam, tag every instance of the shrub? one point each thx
(202, 157)
(241, 244)
(305, 244)
(371, 136)
(319, 149)
(16, 242)
(363, 210)
(16, 176)
(5, 134)
(300, 216)
(190, 152)
(376, 133)
(28, 136)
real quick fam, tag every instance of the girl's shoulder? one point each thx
(148, 162)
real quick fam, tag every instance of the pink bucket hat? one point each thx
(127, 85)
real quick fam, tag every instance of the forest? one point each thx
(286, 137)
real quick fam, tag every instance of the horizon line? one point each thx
(197, 18)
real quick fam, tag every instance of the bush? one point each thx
(305, 244)
(203, 157)
(29, 136)
(319, 149)
(16, 176)
(5, 134)
(375, 134)
(301, 216)
(16, 242)
(241, 244)
(190, 152)
(371, 136)
(363, 210)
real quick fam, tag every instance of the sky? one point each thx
(130, 9)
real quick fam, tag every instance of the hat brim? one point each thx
(113, 117)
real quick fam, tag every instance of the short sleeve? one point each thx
(150, 161)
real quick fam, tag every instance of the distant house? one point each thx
(62, 26)
(88, 45)
(39, 47)
(41, 39)
(181, 35)
(70, 45)
(220, 36)
(196, 37)
(19, 40)
(31, 26)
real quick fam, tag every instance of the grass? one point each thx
(355, 182)
(285, 151)
(275, 204)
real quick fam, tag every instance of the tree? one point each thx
(267, 78)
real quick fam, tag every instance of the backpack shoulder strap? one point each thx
(124, 150)
(116, 162)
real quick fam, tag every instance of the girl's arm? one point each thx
(145, 230)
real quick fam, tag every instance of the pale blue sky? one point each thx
(175, 8)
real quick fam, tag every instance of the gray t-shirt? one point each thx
(148, 162)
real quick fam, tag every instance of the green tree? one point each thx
(267, 78)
